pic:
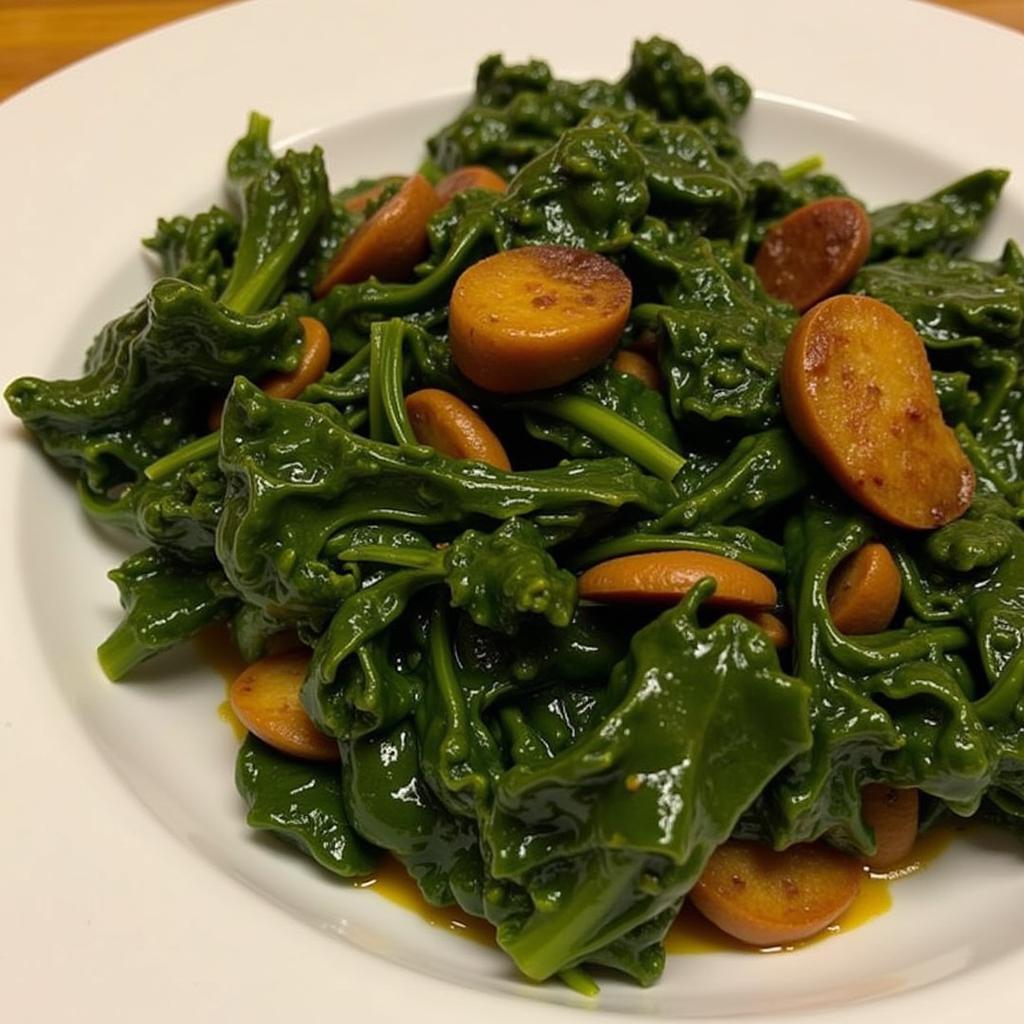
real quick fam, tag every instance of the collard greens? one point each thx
(562, 770)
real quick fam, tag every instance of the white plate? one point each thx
(123, 838)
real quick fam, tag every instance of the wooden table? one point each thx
(40, 36)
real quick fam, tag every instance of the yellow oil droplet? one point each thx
(693, 933)
(392, 881)
(226, 714)
(927, 848)
(873, 900)
(216, 648)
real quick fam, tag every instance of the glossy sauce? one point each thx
(693, 933)
(217, 649)
(394, 883)
(690, 933)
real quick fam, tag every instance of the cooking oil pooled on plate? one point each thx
(394, 883)
(217, 649)
(691, 933)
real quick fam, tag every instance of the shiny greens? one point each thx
(560, 769)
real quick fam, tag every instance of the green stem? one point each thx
(430, 170)
(375, 399)
(809, 164)
(344, 300)
(770, 557)
(447, 683)
(328, 385)
(251, 296)
(410, 558)
(121, 652)
(615, 431)
(1000, 371)
(579, 981)
(201, 448)
(547, 939)
(386, 387)
(647, 314)
(998, 704)
(881, 651)
(927, 606)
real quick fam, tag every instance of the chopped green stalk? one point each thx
(801, 168)
(388, 418)
(345, 299)
(356, 419)
(615, 431)
(927, 604)
(201, 448)
(165, 602)
(284, 200)
(122, 651)
(375, 399)
(735, 542)
(579, 981)
(343, 373)
(1011, 490)
(252, 153)
(430, 170)
(999, 703)
(543, 944)
(409, 558)
(257, 291)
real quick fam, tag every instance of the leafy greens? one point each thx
(565, 771)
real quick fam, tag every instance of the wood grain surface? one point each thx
(38, 37)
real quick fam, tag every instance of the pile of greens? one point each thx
(563, 770)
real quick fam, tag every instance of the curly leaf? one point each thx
(296, 476)
(300, 801)
(501, 576)
(944, 222)
(952, 303)
(149, 379)
(664, 79)
(587, 191)
(723, 338)
(197, 249)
